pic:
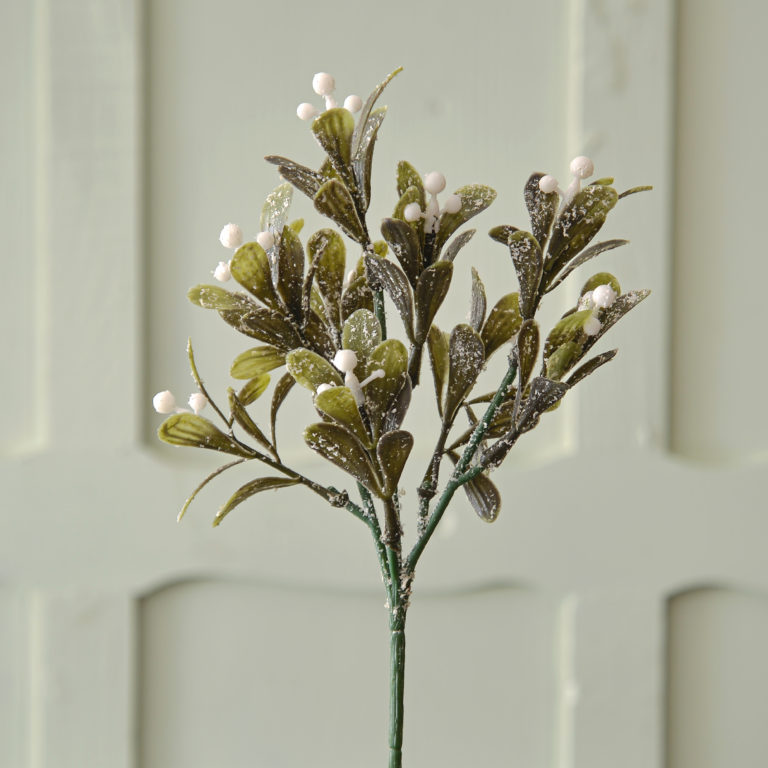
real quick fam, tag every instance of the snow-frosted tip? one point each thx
(604, 296)
(266, 240)
(231, 236)
(353, 103)
(306, 111)
(222, 272)
(164, 402)
(345, 360)
(434, 182)
(197, 401)
(582, 167)
(323, 84)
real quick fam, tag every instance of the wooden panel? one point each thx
(718, 679)
(231, 673)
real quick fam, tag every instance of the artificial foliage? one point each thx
(318, 316)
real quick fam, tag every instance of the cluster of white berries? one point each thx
(601, 297)
(581, 168)
(346, 360)
(165, 402)
(324, 85)
(231, 237)
(434, 184)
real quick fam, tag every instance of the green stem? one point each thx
(397, 683)
(378, 310)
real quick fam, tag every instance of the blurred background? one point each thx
(615, 614)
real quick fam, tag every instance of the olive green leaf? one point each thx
(361, 334)
(565, 330)
(275, 210)
(251, 489)
(634, 190)
(601, 278)
(356, 296)
(290, 271)
(304, 179)
(339, 446)
(405, 245)
(605, 181)
(527, 350)
(394, 417)
(188, 429)
(318, 337)
(482, 494)
(412, 195)
(458, 242)
(297, 225)
(614, 313)
(408, 176)
(586, 255)
(213, 297)
(475, 198)
(392, 452)
(253, 389)
(310, 370)
(502, 233)
(544, 394)
(215, 473)
(431, 290)
(328, 257)
(250, 267)
(387, 275)
(264, 325)
(590, 367)
(478, 302)
(562, 360)
(254, 362)
(237, 408)
(575, 227)
(339, 404)
(439, 355)
(362, 160)
(390, 356)
(542, 208)
(529, 263)
(333, 131)
(466, 356)
(503, 322)
(282, 388)
(358, 135)
(335, 201)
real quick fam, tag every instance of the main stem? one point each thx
(396, 688)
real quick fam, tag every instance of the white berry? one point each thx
(306, 111)
(548, 184)
(345, 360)
(434, 182)
(323, 387)
(453, 204)
(585, 302)
(197, 401)
(266, 240)
(353, 103)
(323, 84)
(231, 236)
(412, 212)
(592, 326)
(603, 296)
(222, 273)
(164, 402)
(582, 167)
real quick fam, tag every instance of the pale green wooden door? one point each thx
(615, 615)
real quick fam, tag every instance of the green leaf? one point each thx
(394, 417)
(466, 359)
(478, 303)
(544, 394)
(412, 195)
(329, 257)
(290, 271)
(527, 350)
(590, 367)
(318, 337)
(264, 325)
(275, 210)
(387, 275)
(297, 225)
(304, 179)
(562, 360)
(586, 255)
(339, 446)
(213, 297)
(475, 198)
(310, 370)
(333, 131)
(503, 322)
(391, 356)
(254, 362)
(408, 176)
(405, 245)
(334, 200)
(431, 289)
(565, 330)
(362, 333)
(482, 494)
(601, 278)
(542, 208)
(392, 452)
(357, 296)
(193, 495)
(339, 404)
(612, 315)
(188, 429)
(439, 356)
(358, 135)
(250, 267)
(502, 233)
(362, 161)
(575, 227)
(282, 388)
(529, 263)
(634, 190)
(254, 389)
(457, 244)
(242, 417)
(251, 489)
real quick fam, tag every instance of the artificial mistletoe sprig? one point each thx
(324, 320)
